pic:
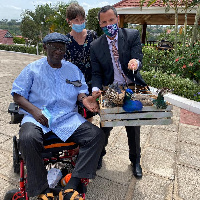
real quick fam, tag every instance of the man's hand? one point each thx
(91, 104)
(38, 116)
(133, 65)
(96, 94)
(30, 108)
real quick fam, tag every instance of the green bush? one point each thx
(188, 64)
(161, 60)
(20, 48)
(18, 40)
(178, 85)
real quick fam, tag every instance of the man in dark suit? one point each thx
(106, 70)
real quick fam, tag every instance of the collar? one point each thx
(115, 38)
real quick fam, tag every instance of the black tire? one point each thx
(16, 164)
(9, 195)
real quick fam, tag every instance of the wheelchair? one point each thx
(57, 154)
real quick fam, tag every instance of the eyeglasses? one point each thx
(54, 48)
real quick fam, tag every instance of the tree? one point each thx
(59, 23)
(92, 21)
(197, 18)
(40, 26)
(187, 5)
(39, 19)
(29, 29)
(174, 4)
(13, 26)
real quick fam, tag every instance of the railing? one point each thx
(152, 43)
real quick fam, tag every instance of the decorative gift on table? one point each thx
(122, 106)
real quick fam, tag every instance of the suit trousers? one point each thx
(133, 134)
(89, 138)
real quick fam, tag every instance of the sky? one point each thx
(13, 8)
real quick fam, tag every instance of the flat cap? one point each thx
(55, 37)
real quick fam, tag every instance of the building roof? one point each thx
(5, 34)
(155, 14)
(136, 3)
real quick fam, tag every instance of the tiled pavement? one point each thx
(170, 154)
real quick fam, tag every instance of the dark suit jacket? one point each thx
(129, 47)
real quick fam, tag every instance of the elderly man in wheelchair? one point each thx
(47, 91)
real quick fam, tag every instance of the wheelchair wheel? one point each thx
(9, 195)
(16, 164)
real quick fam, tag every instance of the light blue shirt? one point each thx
(44, 86)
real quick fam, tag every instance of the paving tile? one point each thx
(9, 129)
(189, 154)
(163, 138)
(145, 129)
(5, 186)
(117, 169)
(9, 173)
(114, 134)
(5, 102)
(152, 188)
(176, 111)
(8, 145)
(4, 118)
(3, 138)
(103, 189)
(158, 162)
(116, 166)
(176, 115)
(122, 141)
(189, 134)
(171, 127)
(144, 135)
(5, 159)
(5, 89)
(188, 183)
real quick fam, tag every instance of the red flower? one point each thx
(191, 64)
(177, 60)
(199, 61)
(184, 66)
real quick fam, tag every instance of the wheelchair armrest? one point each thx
(13, 109)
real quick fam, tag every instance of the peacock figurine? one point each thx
(160, 102)
(114, 94)
(130, 105)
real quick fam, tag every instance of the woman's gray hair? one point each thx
(74, 10)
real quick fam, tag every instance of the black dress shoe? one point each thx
(137, 170)
(100, 163)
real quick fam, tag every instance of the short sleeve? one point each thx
(23, 83)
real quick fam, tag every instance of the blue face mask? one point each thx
(78, 27)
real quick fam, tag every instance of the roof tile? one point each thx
(136, 3)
